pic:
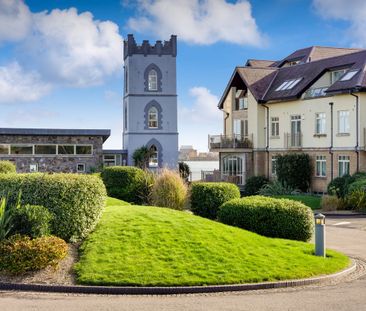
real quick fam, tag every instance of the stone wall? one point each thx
(55, 163)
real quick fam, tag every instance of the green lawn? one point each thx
(139, 245)
(312, 201)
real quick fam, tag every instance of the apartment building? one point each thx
(312, 101)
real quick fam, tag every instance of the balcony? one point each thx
(219, 142)
(293, 140)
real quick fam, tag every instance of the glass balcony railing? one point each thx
(217, 142)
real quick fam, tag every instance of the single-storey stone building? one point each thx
(53, 150)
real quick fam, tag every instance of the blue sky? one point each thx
(61, 61)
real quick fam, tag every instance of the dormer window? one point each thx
(288, 84)
(336, 75)
(349, 75)
(153, 80)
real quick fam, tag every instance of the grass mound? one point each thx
(150, 246)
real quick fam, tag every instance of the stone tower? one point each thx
(150, 101)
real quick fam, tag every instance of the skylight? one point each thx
(288, 85)
(349, 75)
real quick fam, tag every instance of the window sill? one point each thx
(343, 134)
(275, 137)
(320, 135)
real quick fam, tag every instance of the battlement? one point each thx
(168, 48)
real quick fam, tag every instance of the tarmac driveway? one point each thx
(347, 234)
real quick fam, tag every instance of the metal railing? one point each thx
(293, 140)
(216, 142)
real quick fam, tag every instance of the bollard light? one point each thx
(320, 235)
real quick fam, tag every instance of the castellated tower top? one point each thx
(168, 48)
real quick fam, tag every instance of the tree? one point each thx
(141, 157)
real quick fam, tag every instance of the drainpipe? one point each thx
(357, 134)
(267, 138)
(331, 141)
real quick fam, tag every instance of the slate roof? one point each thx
(259, 63)
(263, 81)
(55, 132)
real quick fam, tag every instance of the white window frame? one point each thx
(343, 165)
(343, 122)
(153, 80)
(333, 78)
(321, 166)
(81, 171)
(275, 126)
(33, 168)
(154, 158)
(349, 75)
(320, 123)
(153, 118)
(274, 165)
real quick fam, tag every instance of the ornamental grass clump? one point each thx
(169, 190)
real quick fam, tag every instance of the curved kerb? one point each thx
(130, 290)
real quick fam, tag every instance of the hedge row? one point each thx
(206, 198)
(75, 201)
(7, 167)
(279, 218)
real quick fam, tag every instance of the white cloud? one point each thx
(18, 85)
(201, 119)
(15, 20)
(199, 21)
(73, 49)
(353, 12)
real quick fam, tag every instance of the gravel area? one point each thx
(62, 275)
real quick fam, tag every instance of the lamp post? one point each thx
(320, 235)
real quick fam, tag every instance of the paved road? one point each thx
(344, 234)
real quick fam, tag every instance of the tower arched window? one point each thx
(153, 118)
(153, 80)
(153, 159)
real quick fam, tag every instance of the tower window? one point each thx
(153, 159)
(153, 80)
(153, 117)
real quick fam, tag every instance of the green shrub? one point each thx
(20, 254)
(32, 220)
(294, 170)
(356, 195)
(359, 175)
(254, 184)
(184, 171)
(339, 185)
(76, 201)
(206, 198)
(124, 182)
(330, 203)
(312, 201)
(7, 167)
(6, 218)
(169, 190)
(278, 218)
(275, 188)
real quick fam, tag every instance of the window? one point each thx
(45, 149)
(125, 117)
(288, 84)
(33, 168)
(349, 75)
(109, 160)
(153, 159)
(343, 165)
(80, 168)
(241, 100)
(15, 149)
(4, 149)
(153, 118)
(320, 123)
(275, 126)
(343, 122)
(274, 165)
(153, 80)
(66, 149)
(126, 81)
(232, 169)
(336, 75)
(321, 166)
(240, 127)
(80, 149)
(316, 92)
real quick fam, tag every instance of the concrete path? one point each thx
(344, 234)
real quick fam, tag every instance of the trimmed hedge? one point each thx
(206, 198)
(278, 218)
(20, 254)
(75, 201)
(125, 183)
(31, 220)
(254, 184)
(7, 167)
